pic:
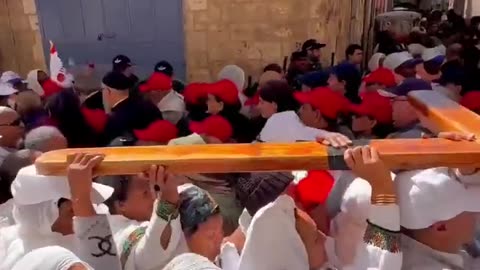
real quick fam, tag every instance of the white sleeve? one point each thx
(94, 244)
(381, 241)
(148, 253)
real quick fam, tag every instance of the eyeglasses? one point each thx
(15, 123)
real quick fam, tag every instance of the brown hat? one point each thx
(256, 190)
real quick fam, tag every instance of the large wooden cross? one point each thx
(435, 111)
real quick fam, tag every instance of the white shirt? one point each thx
(284, 127)
(6, 216)
(173, 101)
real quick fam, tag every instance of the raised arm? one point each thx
(160, 240)
(93, 236)
(381, 247)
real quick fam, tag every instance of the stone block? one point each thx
(196, 41)
(269, 51)
(20, 23)
(199, 75)
(194, 5)
(34, 24)
(251, 12)
(242, 31)
(29, 7)
(15, 7)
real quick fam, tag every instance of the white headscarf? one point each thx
(32, 82)
(33, 231)
(272, 240)
(49, 258)
(190, 261)
(374, 62)
(235, 74)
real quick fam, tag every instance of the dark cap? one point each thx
(312, 44)
(121, 62)
(164, 67)
(408, 85)
(117, 81)
(296, 56)
(315, 79)
(256, 190)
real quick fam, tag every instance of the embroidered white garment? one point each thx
(6, 214)
(49, 258)
(190, 261)
(287, 127)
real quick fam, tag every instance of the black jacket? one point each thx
(94, 101)
(131, 113)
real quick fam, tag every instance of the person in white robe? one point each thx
(42, 212)
(51, 258)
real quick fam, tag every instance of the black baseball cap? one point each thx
(312, 44)
(121, 62)
(164, 67)
(117, 81)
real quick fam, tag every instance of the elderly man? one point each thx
(11, 131)
(44, 139)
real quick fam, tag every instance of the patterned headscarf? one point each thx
(196, 206)
(259, 189)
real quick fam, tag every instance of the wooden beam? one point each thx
(439, 113)
(398, 154)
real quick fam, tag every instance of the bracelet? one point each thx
(382, 238)
(383, 199)
(166, 211)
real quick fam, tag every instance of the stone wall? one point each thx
(249, 33)
(20, 39)
(253, 33)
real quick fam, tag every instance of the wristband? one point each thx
(166, 211)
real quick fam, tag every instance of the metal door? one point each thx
(94, 31)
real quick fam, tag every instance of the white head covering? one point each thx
(235, 74)
(272, 240)
(374, 62)
(429, 196)
(29, 187)
(32, 82)
(190, 261)
(49, 258)
(36, 218)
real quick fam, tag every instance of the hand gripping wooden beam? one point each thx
(435, 111)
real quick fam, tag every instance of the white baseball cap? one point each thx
(429, 196)
(7, 89)
(10, 77)
(416, 49)
(394, 60)
(29, 187)
(433, 54)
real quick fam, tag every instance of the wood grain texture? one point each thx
(398, 154)
(438, 113)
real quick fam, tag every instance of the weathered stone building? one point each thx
(250, 33)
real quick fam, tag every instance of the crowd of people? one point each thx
(365, 218)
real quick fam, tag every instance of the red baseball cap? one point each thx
(194, 92)
(157, 82)
(225, 90)
(160, 131)
(314, 189)
(214, 126)
(471, 101)
(374, 105)
(253, 101)
(330, 103)
(96, 118)
(381, 76)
